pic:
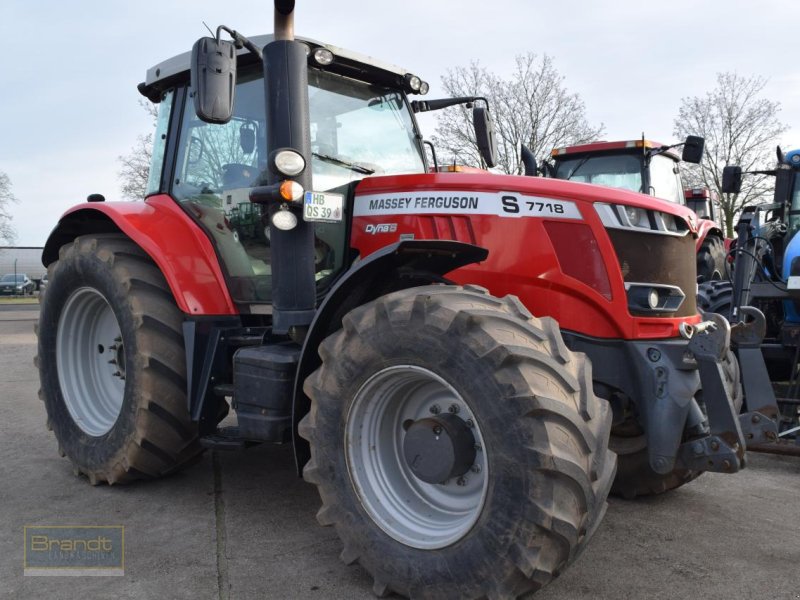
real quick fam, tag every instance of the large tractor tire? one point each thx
(715, 297)
(456, 444)
(112, 364)
(711, 260)
(635, 477)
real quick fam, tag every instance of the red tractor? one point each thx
(650, 168)
(450, 354)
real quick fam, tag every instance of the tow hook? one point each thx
(687, 330)
(713, 345)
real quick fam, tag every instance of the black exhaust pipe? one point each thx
(284, 20)
(292, 251)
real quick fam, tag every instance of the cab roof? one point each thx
(610, 147)
(346, 62)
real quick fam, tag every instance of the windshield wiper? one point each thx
(578, 166)
(344, 163)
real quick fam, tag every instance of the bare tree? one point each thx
(7, 231)
(740, 128)
(136, 164)
(532, 107)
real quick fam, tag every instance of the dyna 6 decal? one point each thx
(501, 204)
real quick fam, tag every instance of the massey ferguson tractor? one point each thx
(650, 168)
(456, 358)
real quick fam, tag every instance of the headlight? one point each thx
(413, 82)
(289, 162)
(618, 216)
(322, 56)
(637, 216)
(647, 298)
(652, 298)
(284, 219)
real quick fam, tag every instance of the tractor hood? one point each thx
(489, 192)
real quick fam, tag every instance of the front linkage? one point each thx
(718, 434)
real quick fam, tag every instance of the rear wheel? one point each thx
(111, 363)
(635, 477)
(711, 260)
(456, 444)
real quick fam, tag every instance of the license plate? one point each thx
(323, 207)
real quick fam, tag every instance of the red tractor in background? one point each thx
(456, 357)
(705, 203)
(650, 168)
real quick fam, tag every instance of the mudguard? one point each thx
(707, 228)
(180, 248)
(402, 265)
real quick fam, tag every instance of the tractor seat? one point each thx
(235, 175)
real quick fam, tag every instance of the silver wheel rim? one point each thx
(90, 360)
(418, 514)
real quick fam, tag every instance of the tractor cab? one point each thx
(704, 202)
(638, 165)
(361, 124)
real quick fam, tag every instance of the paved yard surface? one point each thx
(242, 526)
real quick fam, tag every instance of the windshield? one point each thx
(356, 130)
(365, 129)
(10, 278)
(624, 171)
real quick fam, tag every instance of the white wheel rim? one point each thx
(90, 360)
(416, 513)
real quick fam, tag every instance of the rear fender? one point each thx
(180, 248)
(402, 265)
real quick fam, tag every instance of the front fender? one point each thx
(402, 265)
(178, 246)
(705, 229)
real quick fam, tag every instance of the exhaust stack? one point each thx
(284, 20)
(286, 94)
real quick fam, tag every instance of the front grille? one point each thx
(646, 257)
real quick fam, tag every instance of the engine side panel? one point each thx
(513, 218)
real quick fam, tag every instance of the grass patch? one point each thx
(19, 300)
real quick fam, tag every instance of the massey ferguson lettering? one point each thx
(443, 202)
(456, 202)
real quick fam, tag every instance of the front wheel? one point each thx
(635, 477)
(112, 364)
(456, 444)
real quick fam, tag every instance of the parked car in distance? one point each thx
(16, 285)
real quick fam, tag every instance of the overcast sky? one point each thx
(69, 70)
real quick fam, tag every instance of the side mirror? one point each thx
(731, 179)
(213, 78)
(484, 135)
(693, 149)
